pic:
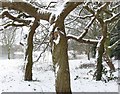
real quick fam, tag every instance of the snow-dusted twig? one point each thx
(113, 18)
(113, 8)
(84, 17)
(86, 28)
(114, 45)
(89, 41)
(7, 14)
(102, 7)
(25, 7)
(49, 5)
(15, 25)
(42, 53)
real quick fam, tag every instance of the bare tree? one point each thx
(8, 39)
(58, 37)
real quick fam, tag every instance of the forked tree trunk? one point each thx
(100, 48)
(28, 71)
(60, 61)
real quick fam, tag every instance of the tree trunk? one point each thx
(108, 61)
(60, 62)
(107, 53)
(8, 53)
(99, 62)
(29, 51)
(100, 48)
(88, 52)
(28, 72)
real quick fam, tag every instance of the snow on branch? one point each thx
(27, 8)
(113, 18)
(86, 28)
(97, 12)
(15, 25)
(49, 5)
(84, 17)
(63, 10)
(113, 8)
(99, 42)
(89, 9)
(42, 53)
(113, 45)
(80, 38)
(7, 14)
(56, 41)
(60, 14)
(90, 23)
(102, 7)
(89, 41)
(40, 13)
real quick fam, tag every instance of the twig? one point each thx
(41, 53)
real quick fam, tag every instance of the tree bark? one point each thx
(60, 62)
(29, 51)
(100, 48)
(99, 61)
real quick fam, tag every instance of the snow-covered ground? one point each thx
(12, 76)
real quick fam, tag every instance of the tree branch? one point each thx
(114, 45)
(113, 8)
(15, 25)
(89, 41)
(113, 18)
(86, 16)
(27, 8)
(42, 53)
(7, 14)
(68, 7)
(86, 28)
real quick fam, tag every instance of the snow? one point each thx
(85, 80)
(43, 11)
(99, 42)
(56, 41)
(12, 76)
(71, 35)
(93, 40)
(59, 9)
(25, 30)
(5, 10)
(51, 27)
(19, 53)
(56, 71)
